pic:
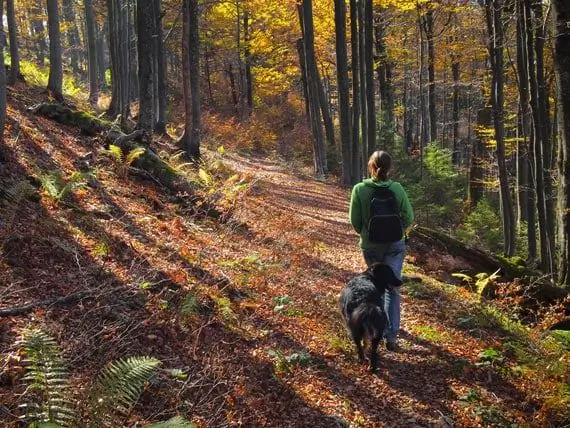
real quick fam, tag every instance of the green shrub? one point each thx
(482, 227)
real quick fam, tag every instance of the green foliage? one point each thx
(483, 283)
(116, 391)
(482, 227)
(224, 308)
(119, 387)
(427, 332)
(175, 422)
(17, 192)
(58, 187)
(38, 76)
(286, 363)
(123, 163)
(284, 305)
(562, 337)
(190, 305)
(436, 190)
(489, 357)
(48, 379)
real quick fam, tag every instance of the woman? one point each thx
(390, 253)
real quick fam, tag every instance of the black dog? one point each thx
(362, 306)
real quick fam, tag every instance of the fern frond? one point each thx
(175, 422)
(47, 376)
(205, 176)
(18, 192)
(114, 152)
(53, 183)
(134, 155)
(119, 387)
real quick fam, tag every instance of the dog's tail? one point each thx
(370, 319)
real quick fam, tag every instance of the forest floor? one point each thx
(243, 314)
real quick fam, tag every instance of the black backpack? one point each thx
(385, 224)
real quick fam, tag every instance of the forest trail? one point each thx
(247, 309)
(437, 363)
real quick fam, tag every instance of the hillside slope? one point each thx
(247, 309)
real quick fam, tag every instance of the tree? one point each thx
(91, 51)
(118, 12)
(356, 156)
(2, 82)
(342, 79)
(369, 76)
(561, 31)
(190, 141)
(146, 49)
(73, 39)
(160, 75)
(306, 20)
(55, 80)
(13, 34)
(493, 9)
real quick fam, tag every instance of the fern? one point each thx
(47, 376)
(175, 422)
(123, 163)
(18, 192)
(59, 188)
(119, 386)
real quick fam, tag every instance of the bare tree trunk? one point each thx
(39, 31)
(369, 63)
(561, 30)
(384, 71)
(2, 85)
(355, 152)
(160, 125)
(319, 154)
(495, 26)
(91, 51)
(191, 139)
(365, 150)
(55, 80)
(427, 25)
(13, 34)
(247, 61)
(72, 33)
(342, 79)
(146, 48)
(100, 49)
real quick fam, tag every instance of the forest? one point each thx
(175, 179)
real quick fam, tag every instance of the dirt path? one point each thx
(417, 386)
(248, 309)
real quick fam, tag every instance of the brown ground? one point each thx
(289, 237)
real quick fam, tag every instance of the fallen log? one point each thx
(89, 124)
(481, 261)
(149, 161)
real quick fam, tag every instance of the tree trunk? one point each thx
(537, 143)
(100, 49)
(355, 153)
(561, 31)
(306, 18)
(342, 79)
(476, 169)
(365, 150)
(91, 51)
(14, 51)
(428, 24)
(72, 33)
(161, 77)
(2, 85)
(118, 13)
(455, 71)
(146, 49)
(369, 64)
(525, 154)
(39, 31)
(191, 44)
(385, 81)
(495, 27)
(247, 61)
(301, 52)
(55, 80)
(544, 124)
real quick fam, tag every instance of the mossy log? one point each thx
(482, 261)
(89, 124)
(149, 161)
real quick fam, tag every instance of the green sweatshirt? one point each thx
(359, 213)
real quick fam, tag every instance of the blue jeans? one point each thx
(392, 255)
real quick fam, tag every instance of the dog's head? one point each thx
(383, 276)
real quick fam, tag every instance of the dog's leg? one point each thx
(374, 354)
(357, 338)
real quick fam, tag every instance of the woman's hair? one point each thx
(379, 164)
